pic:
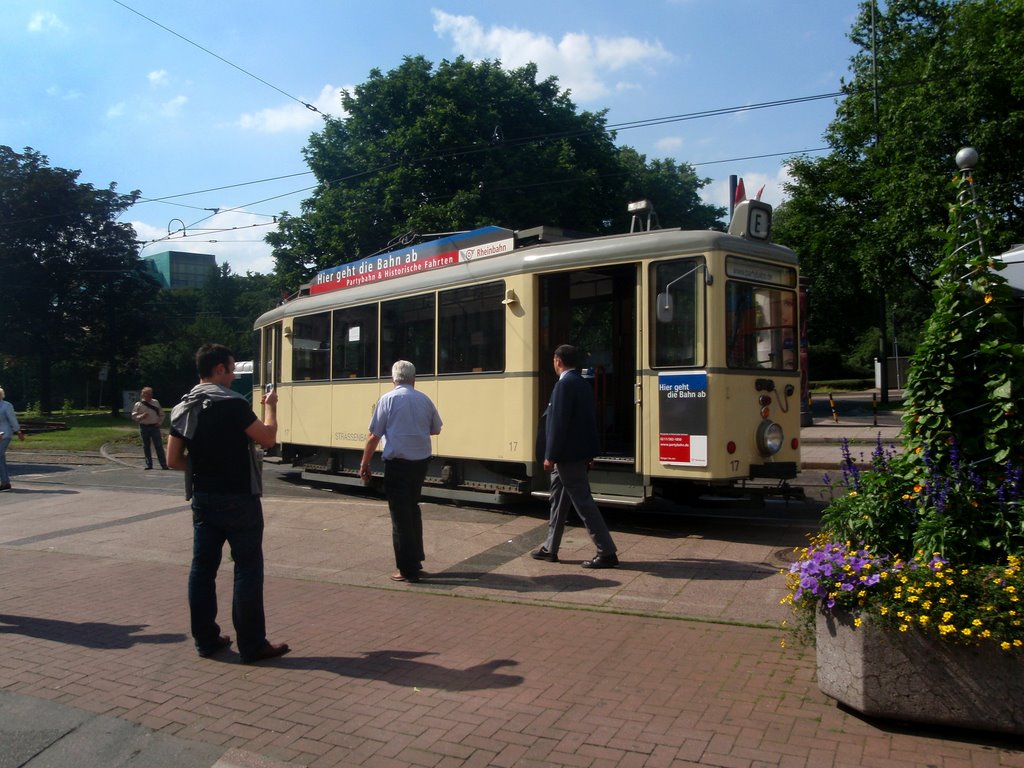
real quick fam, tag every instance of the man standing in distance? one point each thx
(570, 443)
(148, 414)
(212, 430)
(405, 419)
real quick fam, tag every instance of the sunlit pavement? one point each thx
(674, 658)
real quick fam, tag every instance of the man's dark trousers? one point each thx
(150, 434)
(237, 519)
(403, 482)
(570, 489)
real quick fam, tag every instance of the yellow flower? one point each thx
(857, 622)
(966, 631)
(918, 488)
(988, 298)
(853, 493)
(1005, 646)
(904, 627)
(976, 622)
(923, 619)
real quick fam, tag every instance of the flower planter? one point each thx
(881, 672)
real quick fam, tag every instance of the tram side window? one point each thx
(407, 333)
(760, 324)
(675, 309)
(355, 343)
(311, 348)
(472, 329)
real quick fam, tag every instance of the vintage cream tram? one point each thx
(690, 339)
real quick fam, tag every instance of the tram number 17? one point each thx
(512, 445)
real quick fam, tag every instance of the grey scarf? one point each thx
(185, 417)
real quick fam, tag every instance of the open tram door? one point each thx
(595, 310)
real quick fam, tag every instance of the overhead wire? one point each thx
(217, 56)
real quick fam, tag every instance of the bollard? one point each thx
(874, 408)
(832, 405)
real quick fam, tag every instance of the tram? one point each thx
(690, 340)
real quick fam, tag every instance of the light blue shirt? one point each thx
(405, 419)
(8, 421)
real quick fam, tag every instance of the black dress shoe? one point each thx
(268, 651)
(219, 644)
(543, 554)
(602, 561)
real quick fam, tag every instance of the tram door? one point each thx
(595, 311)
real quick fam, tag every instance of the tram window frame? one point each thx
(257, 369)
(311, 347)
(471, 329)
(769, 330)
(354, 342)
(673, 273)
(408, 328)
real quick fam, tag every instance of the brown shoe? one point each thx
(268, 651)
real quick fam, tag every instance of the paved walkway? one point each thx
(673, 659)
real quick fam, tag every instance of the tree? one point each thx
(947, 77)
(222, 311)
(74, 286)
(427, 150)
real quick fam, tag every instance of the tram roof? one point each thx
(537, 257)
(1014, 272)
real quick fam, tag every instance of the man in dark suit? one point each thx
(570, 443)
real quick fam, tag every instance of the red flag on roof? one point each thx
(741, 193)
(758, 195)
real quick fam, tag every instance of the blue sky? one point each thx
(98, 88)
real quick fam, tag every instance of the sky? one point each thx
(200, 105)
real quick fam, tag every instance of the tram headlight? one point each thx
(769, 438)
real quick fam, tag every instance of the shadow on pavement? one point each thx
(401, 668)
(37, 469)
(88, 634)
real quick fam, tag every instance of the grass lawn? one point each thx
(85, 432)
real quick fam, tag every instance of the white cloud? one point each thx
(294, 116)
(580, 61)
(717, 193)
(157, 77)
(173, 107)
(233, 237)
(46, 21)
(116, 111)
(669, 144)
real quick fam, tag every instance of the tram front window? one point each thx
(675, 305)
(760, 324)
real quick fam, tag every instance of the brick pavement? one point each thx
(502, 661)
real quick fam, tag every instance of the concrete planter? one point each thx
(917, 677)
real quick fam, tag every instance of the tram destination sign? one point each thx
(445, 252)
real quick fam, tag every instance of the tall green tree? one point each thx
(222, 311)
(929, 77)
(74, 286)
(427, 150)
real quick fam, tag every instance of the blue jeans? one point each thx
(238, 520)
(403, 481)
(5, 476)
